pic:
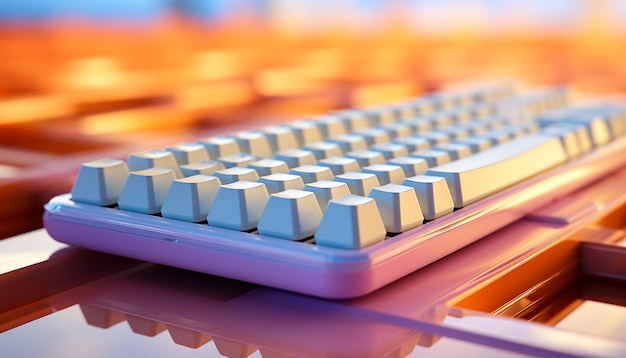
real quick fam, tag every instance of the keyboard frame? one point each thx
(310, 269)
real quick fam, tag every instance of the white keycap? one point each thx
(487, 172)
(331, 126)
(432, 157)
(238, 206)
(436, 137)
(291, 215)
(411, 166)
(145, 190)
(374, 136)
(237, 160)
(100, 182)
(413, 143)
(353, 120)
(476, 144)
(455, 151)
(340, 165)
(312, 173)
(306, 132)
(349, 142)
(398, 206)
(366, 157)
(153, 158)
(231, 175)
(295, 157)
(253, 142)
(386, 173)
(323, 150)
(398, 130)
(220, 146)
(269, 166)
(281, 138)
(190, 198)
(350, 222)
(204, 167)
(280, 182)
(359, 183)
(390, 150)
(186, 153)
(420, 125)
(326, 190)
(433, 195)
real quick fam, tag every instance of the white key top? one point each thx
(411, 166)
(385, 173)
(487, 172)
(100, 182)
(238, 160)
(153, 158)
(280, 182)
(254, 143)
(220, 146)
(312, 173)
(390, 150)
(432, 157)
(455, 151)
(238, 206)
(331, 126)
(269, 166)
(306, 132)
(398, 207)
(291, 215)
(326, 190)
(397, 130)
(295, 157)
(204, 167)
(476, 144)
(366, 157)
(231, 175)
(350, 222)
(281, 138)
(359, 183)
(374, 136)
(413, 143)
(340, 165)
(186, 153)
(354, 120)
(349, 142)
(190, 199)
(432, 194)
(323, 150)
(145, 190)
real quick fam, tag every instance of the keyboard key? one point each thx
(145, 190)
(253, 142)
(231, 175)
(365, 226)
(359, 183)
(326, 190)
(331, 126)
(312, 173)
(455, 151)
(410, 165)
(350, 142)
(474, 177)
(100, 182)
(280, 182)
(220, 146)
(237, 160)
(413, 143)
(432, 157)
(385, 173)
(390, 150)
(398, 207)
(238, 206)
(187, 153)
(433, 195)
(153, 158)
(366, 157)
(204, 167)
(340, 165)
(281, 138)
(269, 166)
(295, 157)
(291, 215)
(190, 199)
(374, 136)
(306, 132)
(323, 150)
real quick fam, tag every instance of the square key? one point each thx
(312, 173)
(100, 182)
(145, 190)
(327, 190)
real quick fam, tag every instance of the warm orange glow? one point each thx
(132, 120)
(34, 108)
(382, 93)
(214, 95)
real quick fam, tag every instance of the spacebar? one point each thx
(475, 177)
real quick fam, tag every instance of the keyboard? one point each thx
(341, 204)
